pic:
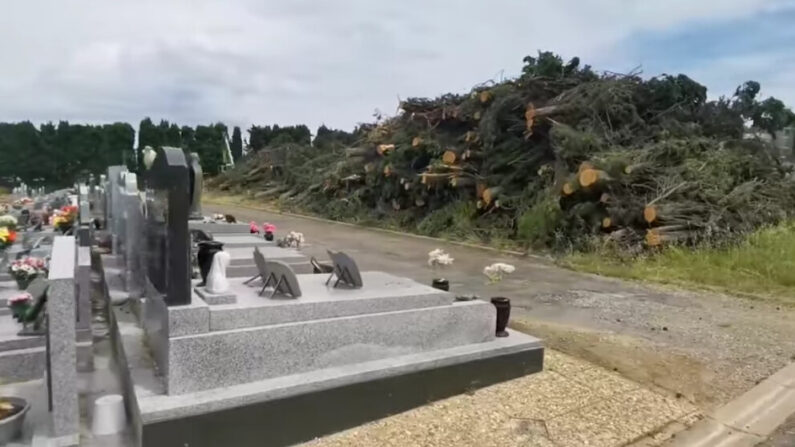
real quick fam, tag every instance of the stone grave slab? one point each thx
(384, 293)
(215, 298)
(220, 227)
(245, 255)
(242, 240)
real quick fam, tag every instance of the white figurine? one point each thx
(216, 278)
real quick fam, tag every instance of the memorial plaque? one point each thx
(167, 237)
(282, 278)
(345, 269)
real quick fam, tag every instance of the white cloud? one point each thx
(299, 60)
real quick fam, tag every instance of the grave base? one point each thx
(300, 407)
(214, 299)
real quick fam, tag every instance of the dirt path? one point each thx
(704, 347)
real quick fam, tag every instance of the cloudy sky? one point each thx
(335, 62)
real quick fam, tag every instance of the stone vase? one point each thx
(441, 284)
(503, 306)
(11, 425)
(207, 250)
(216, 279)
(268, 236)
(24, 281)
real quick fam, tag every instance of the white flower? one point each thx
(438, 257)
(293, 239)
(495, 272)
(8, 221)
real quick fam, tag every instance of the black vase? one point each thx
(268, 236)
(441, 284)
(207, 249)
(503, 306)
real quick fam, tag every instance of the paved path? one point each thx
(706, 348)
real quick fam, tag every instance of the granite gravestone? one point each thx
(345, 269)
(196, 185)
(166, 226)
(282, 278)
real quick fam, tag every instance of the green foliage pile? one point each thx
(558, 157)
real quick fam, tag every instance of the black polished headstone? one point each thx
(167, 236)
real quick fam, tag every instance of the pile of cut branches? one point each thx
(558, 157)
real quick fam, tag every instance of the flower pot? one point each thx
(207, 249)
(503, 306)
(441, 284)
(19, 309)
(268, 236)
(11, 425)
(109, 417)
(24, 282)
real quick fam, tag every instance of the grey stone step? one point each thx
(23, 364)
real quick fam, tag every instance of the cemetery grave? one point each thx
(241, 360)
(237, 354)
(45, 316)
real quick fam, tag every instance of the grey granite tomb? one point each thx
(61, 343)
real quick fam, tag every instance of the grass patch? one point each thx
(763, 265)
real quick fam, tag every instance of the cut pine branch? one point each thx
(357, 151)
(460, 181)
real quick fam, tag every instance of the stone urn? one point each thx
(11, 420)
(24, 281)
(441, 284)
(503, 306)
(207, 249)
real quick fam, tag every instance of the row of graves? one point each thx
(45, 313)
(222, 337)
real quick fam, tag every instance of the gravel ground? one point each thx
(570, 403)
(783, 437)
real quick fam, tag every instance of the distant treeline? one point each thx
(59, 154)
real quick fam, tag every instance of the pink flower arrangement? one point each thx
(269, 227)
(253, 228)
(22, 298)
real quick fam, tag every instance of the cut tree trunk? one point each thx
(459, 181)
(491, 194)
(589, 177)
(451, 156)
(656, 237)
(384, 149)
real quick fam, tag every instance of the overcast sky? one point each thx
(335, 62)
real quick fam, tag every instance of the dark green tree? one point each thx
(237, 144)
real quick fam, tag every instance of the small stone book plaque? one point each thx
(262, 268)
(282, 278)
(345, 270)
